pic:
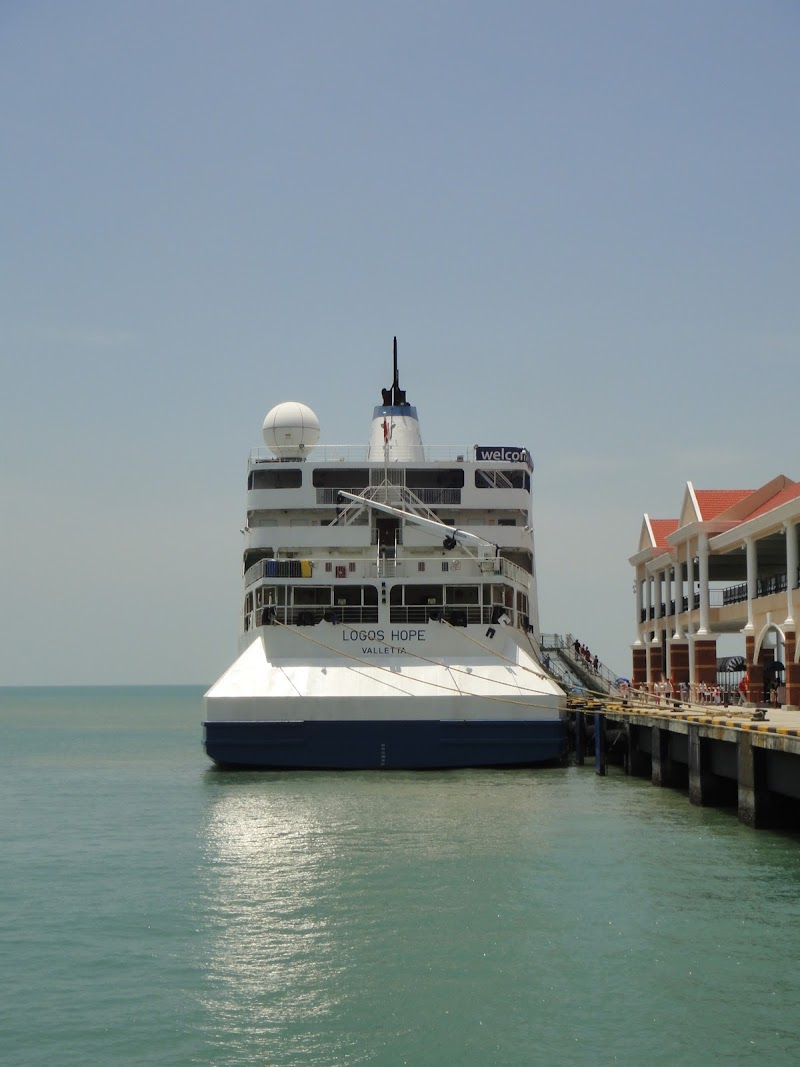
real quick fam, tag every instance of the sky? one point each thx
(581, 219)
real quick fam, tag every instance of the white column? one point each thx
(791, 570)
(638, 587)
(659, 580)
(689, 585)
(752, 570)
(678, 634)
(667, 591)
(703, 555)
(673, 590)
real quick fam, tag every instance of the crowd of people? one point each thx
(699, 693)
(669, 690)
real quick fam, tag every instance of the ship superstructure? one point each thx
(389, 609)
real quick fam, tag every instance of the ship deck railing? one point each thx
(360, 454)
(418, 568)
(357, 615)
(426, 496)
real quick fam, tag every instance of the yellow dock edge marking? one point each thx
(753, 725)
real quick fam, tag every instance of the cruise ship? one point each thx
(389, 614)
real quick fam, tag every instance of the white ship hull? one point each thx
(432, 695)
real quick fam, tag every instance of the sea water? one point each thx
(158, 911)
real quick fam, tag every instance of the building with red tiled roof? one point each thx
(712, 502)
(661, 528)
(727, 565)
(791, 492)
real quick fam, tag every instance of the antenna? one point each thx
(398, 394)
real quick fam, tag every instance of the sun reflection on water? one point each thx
(274, 959)
(324, 893)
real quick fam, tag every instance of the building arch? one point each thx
(759, 641)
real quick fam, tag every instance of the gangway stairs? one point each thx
(571, 669)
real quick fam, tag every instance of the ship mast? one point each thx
(395, 434)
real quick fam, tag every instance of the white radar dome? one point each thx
(291, 430)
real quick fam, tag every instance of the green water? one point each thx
(156, 911)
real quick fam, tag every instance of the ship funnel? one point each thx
(395, 435)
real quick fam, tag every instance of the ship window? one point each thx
(435, 479)
(502, 595)
(355, 595)
(463, 594)
(423, 594)
(283, 478)
(351, 566)
(506, 522)
(348, 595)
(347, 478)
(319, 594)
(421, 565)
(270, 594)
(502, 479)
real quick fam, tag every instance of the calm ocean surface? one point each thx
(155, 911)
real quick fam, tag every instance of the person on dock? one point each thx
(744, 689)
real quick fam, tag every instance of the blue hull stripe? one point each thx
(409, 745)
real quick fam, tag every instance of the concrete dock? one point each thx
(745, 758)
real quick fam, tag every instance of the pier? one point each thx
(744, 758)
